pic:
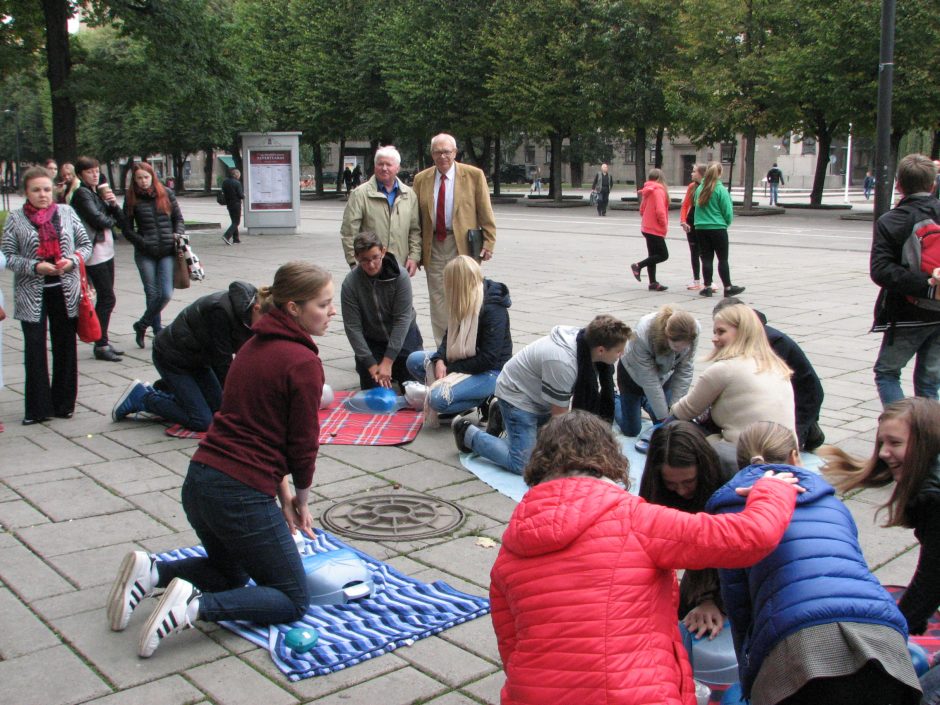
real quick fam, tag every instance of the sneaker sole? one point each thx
(116, 600)
(122, 399)
(163, 618)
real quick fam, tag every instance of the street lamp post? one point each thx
(16, 142)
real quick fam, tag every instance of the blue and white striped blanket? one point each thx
(400, 611)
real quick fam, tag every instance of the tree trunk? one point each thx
(658, 158)
(497, 163)
(554, 139)
(236, 152)
(340, 165)
(640, 144)
(369, 167)
(207, 168)
(179, 162)
(114, 186)
(823, 144)
(750, 148)
(318, 168)
(58, 68)
(935, 145)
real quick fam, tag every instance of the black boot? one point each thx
(140, 334)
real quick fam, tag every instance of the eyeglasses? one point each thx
(369, 260)
(442, 153)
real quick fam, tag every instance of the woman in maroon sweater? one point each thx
(266, 430)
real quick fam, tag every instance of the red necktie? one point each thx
(440, 223)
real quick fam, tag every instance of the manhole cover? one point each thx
(392, 517)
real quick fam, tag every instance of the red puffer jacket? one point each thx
(584, 594)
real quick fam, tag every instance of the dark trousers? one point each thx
(195, 395)
(868, 686)
(245, 536)
(603, 198)
(400, 373)
(101, 277)
(58, 399)
(710, 244)
(656, 251)
(235, 215)
(696, 255)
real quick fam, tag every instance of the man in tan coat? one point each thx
(387, 207)
(465, 206)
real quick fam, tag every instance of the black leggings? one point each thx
(657, 252)
(101, 277)
(711, 243)
(693, 251)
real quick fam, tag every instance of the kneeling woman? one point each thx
(810, 623)
(193, 356)
(475, 346)
(583, 591)
(656, 366)
(266, 430)
(682, 471)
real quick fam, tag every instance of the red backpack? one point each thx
(921, 253)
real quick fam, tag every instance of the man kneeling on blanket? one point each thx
(570, 367)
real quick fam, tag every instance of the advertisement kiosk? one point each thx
(272, 182)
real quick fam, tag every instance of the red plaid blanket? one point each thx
(339, 426)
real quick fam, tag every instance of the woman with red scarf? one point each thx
(42, 243)
(154, 222)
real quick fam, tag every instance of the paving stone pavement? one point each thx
(75, 495)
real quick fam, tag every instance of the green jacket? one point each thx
(717, 214)
(398, 228)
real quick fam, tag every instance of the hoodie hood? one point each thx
(496, 294)
(242, 297)
(566, 337)
(278, 324)
(390, 269)
(650, 186)
(553, 514)
(726, 499)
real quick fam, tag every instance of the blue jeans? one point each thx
(156, 274)
(465, 395)
(774, 188)
(633, 400)
(196, 395)
(921, 343)
(245, 536)
(512, 452)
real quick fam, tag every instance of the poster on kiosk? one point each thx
(272, 182)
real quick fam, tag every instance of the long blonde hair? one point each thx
(847, 472)
(709, 182)
(750, 341)
(463, 287)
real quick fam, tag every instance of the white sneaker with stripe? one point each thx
(170, 617)
(134, 582)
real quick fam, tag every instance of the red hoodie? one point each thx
(654, 209)
(269, 425)
(584, 595)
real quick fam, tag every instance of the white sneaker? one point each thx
(134, 582)
(170, 617)
(694, 286)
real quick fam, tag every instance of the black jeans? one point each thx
(400, 373)
(696, 255)
(101, 277)
(711, 243)
(657, 252)
(245, 536)
(42, 399)
(235, 214)
(603, 197)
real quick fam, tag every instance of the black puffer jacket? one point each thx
(494, 341)
(208, 332)
(922, 597)
(96, 214)
(151, 231)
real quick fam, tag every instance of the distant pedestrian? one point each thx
(713, 215)
(66, 184)
(687, 221)
(869, 184)
(357, 176)
(347, 179)
(654, 214)
(603, 183)
(536, 182)
(775, 179)
(234, 195)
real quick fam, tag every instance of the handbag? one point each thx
(475, 243)
(593, 198)
(181, 279)
(88, 326)
(220, 198)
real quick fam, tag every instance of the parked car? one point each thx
(512, 174)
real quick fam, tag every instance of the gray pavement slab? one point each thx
(76, 494)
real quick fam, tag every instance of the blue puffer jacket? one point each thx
(817, 575)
